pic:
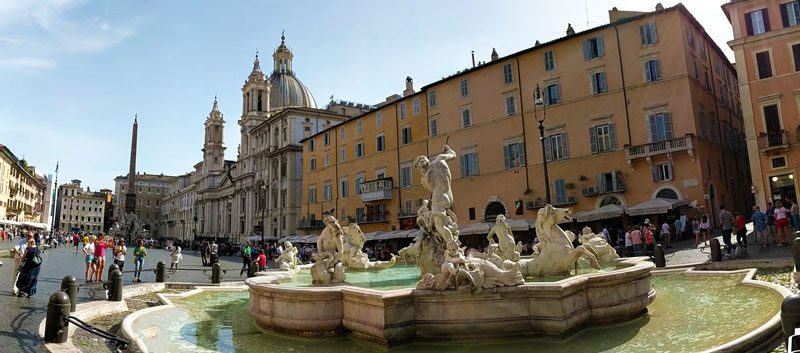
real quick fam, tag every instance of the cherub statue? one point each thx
(504, 247)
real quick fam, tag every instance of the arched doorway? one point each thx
(667, 193)
(492, 210)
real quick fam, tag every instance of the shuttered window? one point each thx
(603, 138)
(764, 65)
(756, 22)
(660, 127)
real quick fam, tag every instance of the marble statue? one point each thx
(556, 255)
(328, 267)
(597, 244)
(467, 273)
(352, 256)
(288, 260)
(504, 247)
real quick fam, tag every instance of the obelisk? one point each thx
(130, 196)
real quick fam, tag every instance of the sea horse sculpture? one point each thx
(353, 257)
(556, 255)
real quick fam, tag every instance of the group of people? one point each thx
(94, 249)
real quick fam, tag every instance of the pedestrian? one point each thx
(726, 222)
(628, 242)
(741, 231)
(781, 222)
(18, 251)
(696, 231)
(760, 226)
(649, 237)
(176, 258)
(119, 254)
(88, 252)
(76, 241)
(214, 251)
(139, 253)
(29, 271)
(204, 252)
(795, 214)
(246, 259)
(665, 233)
(100, 246)
(705, 228)
(772, 231)
(636, 241)
(262, 261)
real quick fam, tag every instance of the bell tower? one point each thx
(214, 147)
(255, 105)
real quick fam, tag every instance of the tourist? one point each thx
(18, 251)
(262, 261)
(119, 254)
(88, 252)
(705, 229)
(649, 237)
(760, 225)
(795, 215)
(665, 233)
(628, 242)
(139, 253)
(176, 257)
(204, 252)
(29, 270)
(100, 257)
(781, 222)
(726, 222)
(246, 259)
(214, 251)
(771, 229)
(636, 241)
(696, 231)
(741, 231)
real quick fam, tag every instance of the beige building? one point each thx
(23, 191)
(643, 107)
(150, 191)
(766, 44)
(80, 210)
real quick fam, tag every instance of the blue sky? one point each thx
(73, 73)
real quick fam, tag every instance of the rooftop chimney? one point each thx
(409, 87)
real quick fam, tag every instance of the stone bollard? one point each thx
(215, 273)
(659, 253)
(56, 326)
(790, 315)
(716, 252)
(112, 268)
(796, 253)
(251, 272)
(69, 285)
(115, 286)
(160, 271)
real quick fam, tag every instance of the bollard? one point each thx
(115, 286)
(56, 326)
(790, 315)
(160, 271)
(796, 253)
(659, 253)
(716, 253)
(251, 272)
(112, 268)
(69, 285)
(215, 273)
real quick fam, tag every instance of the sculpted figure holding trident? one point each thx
(436, 178)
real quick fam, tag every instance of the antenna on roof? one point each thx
(586, 8)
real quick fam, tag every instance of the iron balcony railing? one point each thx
(379, 189)
(773, 140)
(661, 147)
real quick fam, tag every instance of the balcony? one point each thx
(661, 147)
(564, 200)
(535, 204)
(617, 184)
(379, 189)
(372, 217)
(310, 224)
(773, 141)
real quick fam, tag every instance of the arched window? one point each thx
(493, 209)
(667, 194)
(610, 200)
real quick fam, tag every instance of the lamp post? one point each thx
(263, 214)
(537, 101)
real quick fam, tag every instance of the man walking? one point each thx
(214, 249)
(726, 220)
(204, 252)
(760, 225)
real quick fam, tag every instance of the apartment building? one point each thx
(643, 107)
(150, 190)
(80, 210)
(766, 45)
(23, 191)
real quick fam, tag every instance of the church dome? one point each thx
(286, 90)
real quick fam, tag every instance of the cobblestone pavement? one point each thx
(20, 317)
(684, 252)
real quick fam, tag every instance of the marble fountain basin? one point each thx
(542, 308)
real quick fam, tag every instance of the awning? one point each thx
(258, 238)
(655, 206)
(9, 222)
(605, 212)
(517, 225)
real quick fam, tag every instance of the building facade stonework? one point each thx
(80, 210)
(150, 191)
(24, 191)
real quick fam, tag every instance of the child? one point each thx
(176, 257)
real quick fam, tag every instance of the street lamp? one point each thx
(537, 101)
(263, 214)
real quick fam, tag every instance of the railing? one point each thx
(605, 187)
(380, 189)
(120, 343)
(535, 204)
(310, 224)
(406, 213)
(562, 200)
(655, 148)
(373, 217)
(773, 140)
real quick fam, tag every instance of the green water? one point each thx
(691, 313)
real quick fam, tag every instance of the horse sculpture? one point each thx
(352, 256)
(556, 255)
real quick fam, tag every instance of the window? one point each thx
(708, 81)
(312, 164)
(326, 192)
(432, 98)
(405, 135)
(660, 127)
(690, 36)
(652, 70)
(701, 117)
(695, 71)
(327, 159)
(464, 88)
(513, 154)
(560, 186)
(552, 94)
(469, 164)
(549, 61)
(508, 77)
(402, 110)
(360, 149)
(603, 138)
(434, 126)
(342, 154)
(790, 13)
(662, 172)
(593, 48)
(796, 54)
(647, 34)
(359, 127)
(311, 145)
(472, 213)
(556, 147)
(466, 117)
(764, 65)
(326, 138)
(359, 180)
(779, 162)
(712, 124)
(599, 82)
(341, 134)
(703, 50)
(415, 105)
(405, 175)
(312, 194)
(380, 143)
(378, 120)
(360, 214)
(757, 22)
(511, 107)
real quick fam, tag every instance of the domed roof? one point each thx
(286, 90)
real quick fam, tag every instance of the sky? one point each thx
(73, 73)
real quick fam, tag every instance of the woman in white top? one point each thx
(176, 257)
(696, 230)
(705, 228)
(781, 222)
(119, 254)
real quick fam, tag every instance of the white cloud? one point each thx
(26, 63)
